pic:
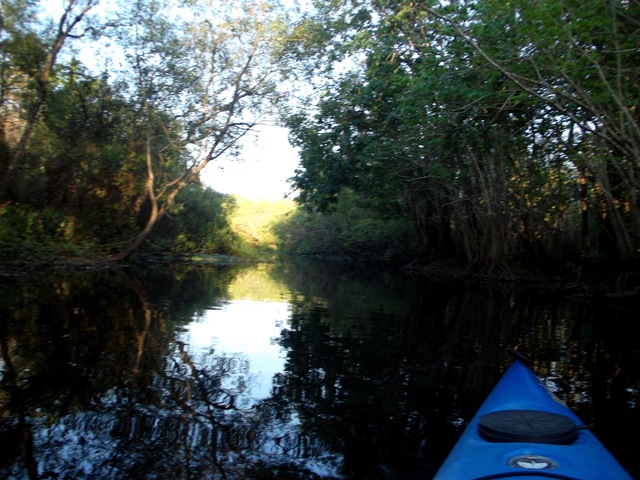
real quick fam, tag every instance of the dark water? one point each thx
(285, 371)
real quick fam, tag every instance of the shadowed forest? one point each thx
(496, 137)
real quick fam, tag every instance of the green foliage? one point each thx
(118, 152)
(351, 232)
(26, 234)
(198, 223)
(507, 130)
(253, 221)
(207, 222)
(84, 161)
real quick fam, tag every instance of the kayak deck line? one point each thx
(525, 476)
(522, 430)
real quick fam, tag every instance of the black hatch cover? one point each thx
(533, 426)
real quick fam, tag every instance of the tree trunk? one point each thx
(142, 236)
(156, 212)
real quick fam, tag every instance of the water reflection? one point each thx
(243, 334)
(282, 371)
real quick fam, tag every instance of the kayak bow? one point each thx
(523, 431)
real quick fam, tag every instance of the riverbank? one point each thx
(47, 264)
(587, 277)
(621, 280)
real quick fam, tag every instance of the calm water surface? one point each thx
(288, 371)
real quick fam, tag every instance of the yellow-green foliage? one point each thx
(254, 221)
(258, 283)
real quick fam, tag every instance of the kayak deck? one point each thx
(523, 431)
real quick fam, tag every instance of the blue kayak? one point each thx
(522, 431)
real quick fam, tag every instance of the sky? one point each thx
(262, 169)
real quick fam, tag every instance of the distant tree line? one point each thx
(508, 133)
(350, 232)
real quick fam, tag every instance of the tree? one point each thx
(199, 221)
(509, 130)
(29, 60)
(194, 108)
(578, 59)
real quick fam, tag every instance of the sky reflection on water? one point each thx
(246, 330)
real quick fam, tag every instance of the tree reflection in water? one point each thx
(191, 374)
(104, 377)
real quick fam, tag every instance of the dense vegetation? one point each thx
(508, 132)
(104, 163)
(349, 232)
(495, 134)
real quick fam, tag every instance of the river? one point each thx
(290, 370)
